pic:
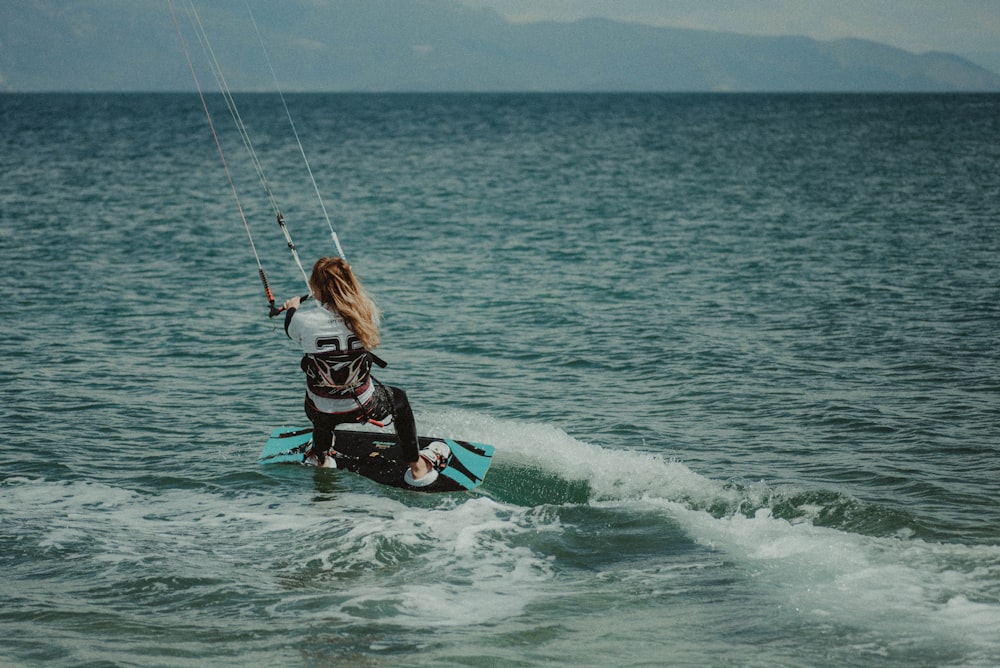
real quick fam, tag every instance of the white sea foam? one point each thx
(454, 561)
(610, 474)
(446, 565)
(362, 556)
(895, 584)
(890, 584)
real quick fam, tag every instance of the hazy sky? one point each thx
(913, 25)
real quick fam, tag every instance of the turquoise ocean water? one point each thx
(739, 354)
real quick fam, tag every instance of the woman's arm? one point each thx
(290, 307)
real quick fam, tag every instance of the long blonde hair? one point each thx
(335, 285)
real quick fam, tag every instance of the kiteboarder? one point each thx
(337, 338)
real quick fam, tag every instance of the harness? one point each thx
(342, 374)
(337, 374)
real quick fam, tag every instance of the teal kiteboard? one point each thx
(378, 457)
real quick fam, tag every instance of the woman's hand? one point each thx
(292, 303)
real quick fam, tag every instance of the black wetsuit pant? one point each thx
(386, 401)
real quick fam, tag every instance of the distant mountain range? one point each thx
(435, 45)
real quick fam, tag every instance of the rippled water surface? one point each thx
(739, 356)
